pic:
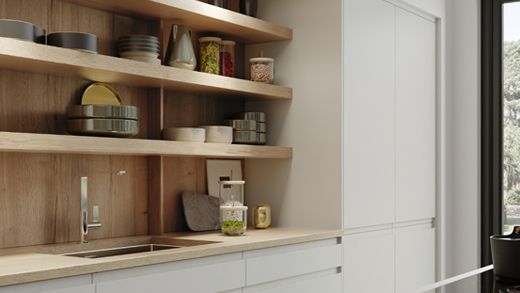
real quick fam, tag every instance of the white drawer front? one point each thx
(329, 284)
(208, 279)
(77, 284)
(289, 264)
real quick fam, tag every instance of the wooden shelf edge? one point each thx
(35, 58)
(197, 15)
(67, 144)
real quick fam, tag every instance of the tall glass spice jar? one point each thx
(227, 58)
(209, 54)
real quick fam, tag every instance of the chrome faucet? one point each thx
(85, 225)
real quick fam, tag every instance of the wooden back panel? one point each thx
(40, 193)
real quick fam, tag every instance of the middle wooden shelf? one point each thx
(35, 58)
(67, 144)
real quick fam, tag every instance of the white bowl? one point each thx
(185, 134)
(219, 134)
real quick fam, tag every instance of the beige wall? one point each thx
(304, 191)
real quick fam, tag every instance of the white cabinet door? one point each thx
(76, 284)
(369, 113)
(209, 275)
(368, 264)
(414, 259)
(415, 117)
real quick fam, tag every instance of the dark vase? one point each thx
(219, 3)
(249, 7)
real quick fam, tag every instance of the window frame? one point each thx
(491, 110)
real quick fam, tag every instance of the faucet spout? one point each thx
(85, 225)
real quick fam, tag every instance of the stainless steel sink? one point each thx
(120, 250)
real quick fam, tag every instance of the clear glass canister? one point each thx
(227, 58)
(209, 54)
(231, 193)
(262, 69)
(234, 220)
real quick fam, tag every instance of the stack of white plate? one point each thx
(140, 48)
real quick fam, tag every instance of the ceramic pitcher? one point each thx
(180, 51)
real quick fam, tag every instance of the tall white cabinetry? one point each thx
(415, 117)
(389, 146)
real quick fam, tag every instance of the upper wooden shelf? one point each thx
(67, 144)
(198, 16)
(29, 57)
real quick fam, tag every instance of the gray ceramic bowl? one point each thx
(16, 29)
(257, 116)
(73, 40)
(261, 138)
(138, 37)
(241, 124)
(261, 127)
(138, 48)
(240, 136)
(138, 42)
(103, 127)
(102, 111)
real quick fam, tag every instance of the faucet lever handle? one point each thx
(96, 214)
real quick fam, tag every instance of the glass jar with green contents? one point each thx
(209, 54)
(234, 220)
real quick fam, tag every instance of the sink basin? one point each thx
(120, 250)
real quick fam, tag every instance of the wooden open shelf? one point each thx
(198, 16)
(29, 57)
(66, 144)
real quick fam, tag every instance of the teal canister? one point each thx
(180, 51)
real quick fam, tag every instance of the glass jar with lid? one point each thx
(234, 220)
(262, 69)
(209, 54)
(233, 213)
(227, 58)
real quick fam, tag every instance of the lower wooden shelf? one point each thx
(67, 144)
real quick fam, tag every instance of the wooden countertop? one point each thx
(43, 262)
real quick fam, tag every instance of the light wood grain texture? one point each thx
(181, 174)
(40, 197)
(40, 167)
(17, 265)
(156, 195)
(155, 113)
(35, 58)
(199, 16)
(190, 110)
(65, 144)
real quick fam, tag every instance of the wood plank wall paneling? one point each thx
(184, 173)
(40, 197)
(40, 193)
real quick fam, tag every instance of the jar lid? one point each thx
(261, 59)
(227, 43)
(210, 39)
(233, 208)
(239, 182)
